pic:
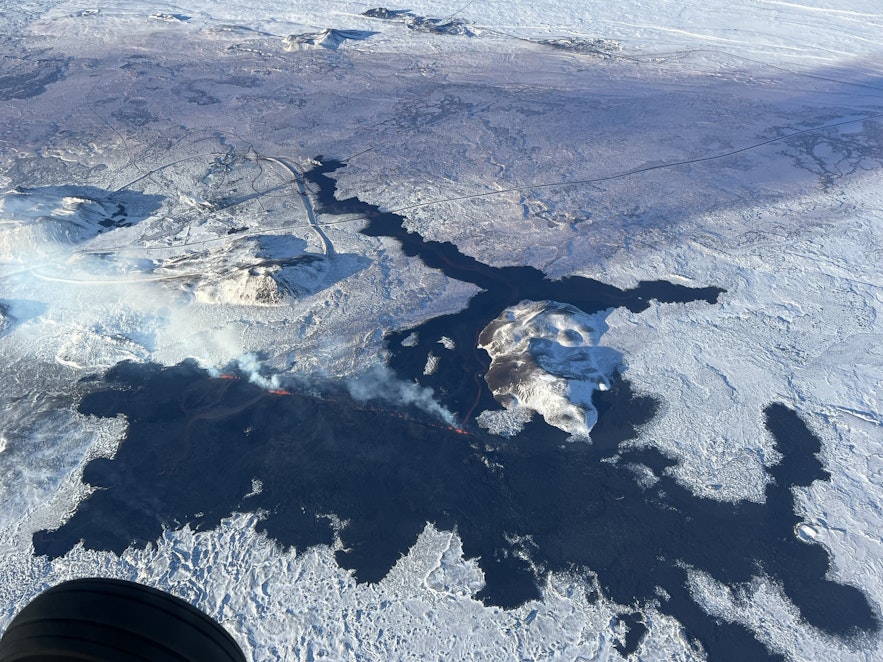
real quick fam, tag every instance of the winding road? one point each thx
(328, 247)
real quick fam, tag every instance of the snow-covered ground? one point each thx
(152, 208)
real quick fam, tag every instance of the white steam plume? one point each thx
(250, 365)
(379, 382)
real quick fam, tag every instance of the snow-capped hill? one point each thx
(269, 271)
(39, 221)
(255, 286)
(328, 38)
(545, 358)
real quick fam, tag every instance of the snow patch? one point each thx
(505, 422)
(432, 362)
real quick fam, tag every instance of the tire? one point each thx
(110, 620)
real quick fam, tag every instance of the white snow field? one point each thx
(152, 208)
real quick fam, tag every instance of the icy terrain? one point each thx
(154, 208)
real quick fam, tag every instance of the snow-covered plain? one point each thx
(153, 209)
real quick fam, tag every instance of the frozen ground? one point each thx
(153, 208)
